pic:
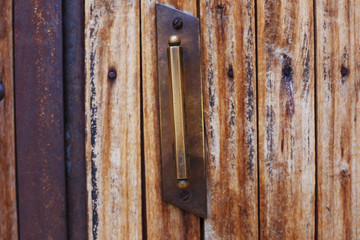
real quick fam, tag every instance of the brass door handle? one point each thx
(177, 109)
(181, 110)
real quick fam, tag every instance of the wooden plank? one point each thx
(113, 143)
(8, 216)
(163, 220)
(338, 112)
(286, 119)
(228, 65)
(39, 113)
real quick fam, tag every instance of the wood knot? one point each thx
(344, 176)
(287, 83)
(230, 72)
(344, 71)
(220, 6)
(287, 71)
(220, 9)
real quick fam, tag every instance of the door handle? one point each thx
(181, 110)
(177, 108)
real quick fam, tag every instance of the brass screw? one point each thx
(185, 195)
(177, 23)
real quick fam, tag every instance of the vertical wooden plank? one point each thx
(229, 80)
(39, 113)
(338, 112)
(286, 119)
(8, 216)
(113, 143)
(163, 220)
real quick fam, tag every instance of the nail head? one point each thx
(112, 74)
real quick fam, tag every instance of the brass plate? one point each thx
(193, 199)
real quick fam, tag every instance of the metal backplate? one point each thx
(192, 199)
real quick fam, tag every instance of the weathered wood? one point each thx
(338, 112)
(113, 143)
(163, 220)
(228, 65)
(8, 215)
(286, 119)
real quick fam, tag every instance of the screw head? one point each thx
(177, 23)
(2, 91)
(112, 74)
(185, 195)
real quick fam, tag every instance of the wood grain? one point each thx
(8, 214)
(113, 143)
(229, 82)
(286, 119)
(163, 220)
(338, 112)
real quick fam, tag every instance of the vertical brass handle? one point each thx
(177, 108)
(181, 119)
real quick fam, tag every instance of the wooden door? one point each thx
(281, 86)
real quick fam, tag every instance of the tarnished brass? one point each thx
(177, 108)
(181, 111)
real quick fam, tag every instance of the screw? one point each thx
(112, 74)
(177, 23)
(185, 195)
(2, 92)
(344, 71)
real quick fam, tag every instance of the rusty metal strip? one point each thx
(74, 82)
(40, 119)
